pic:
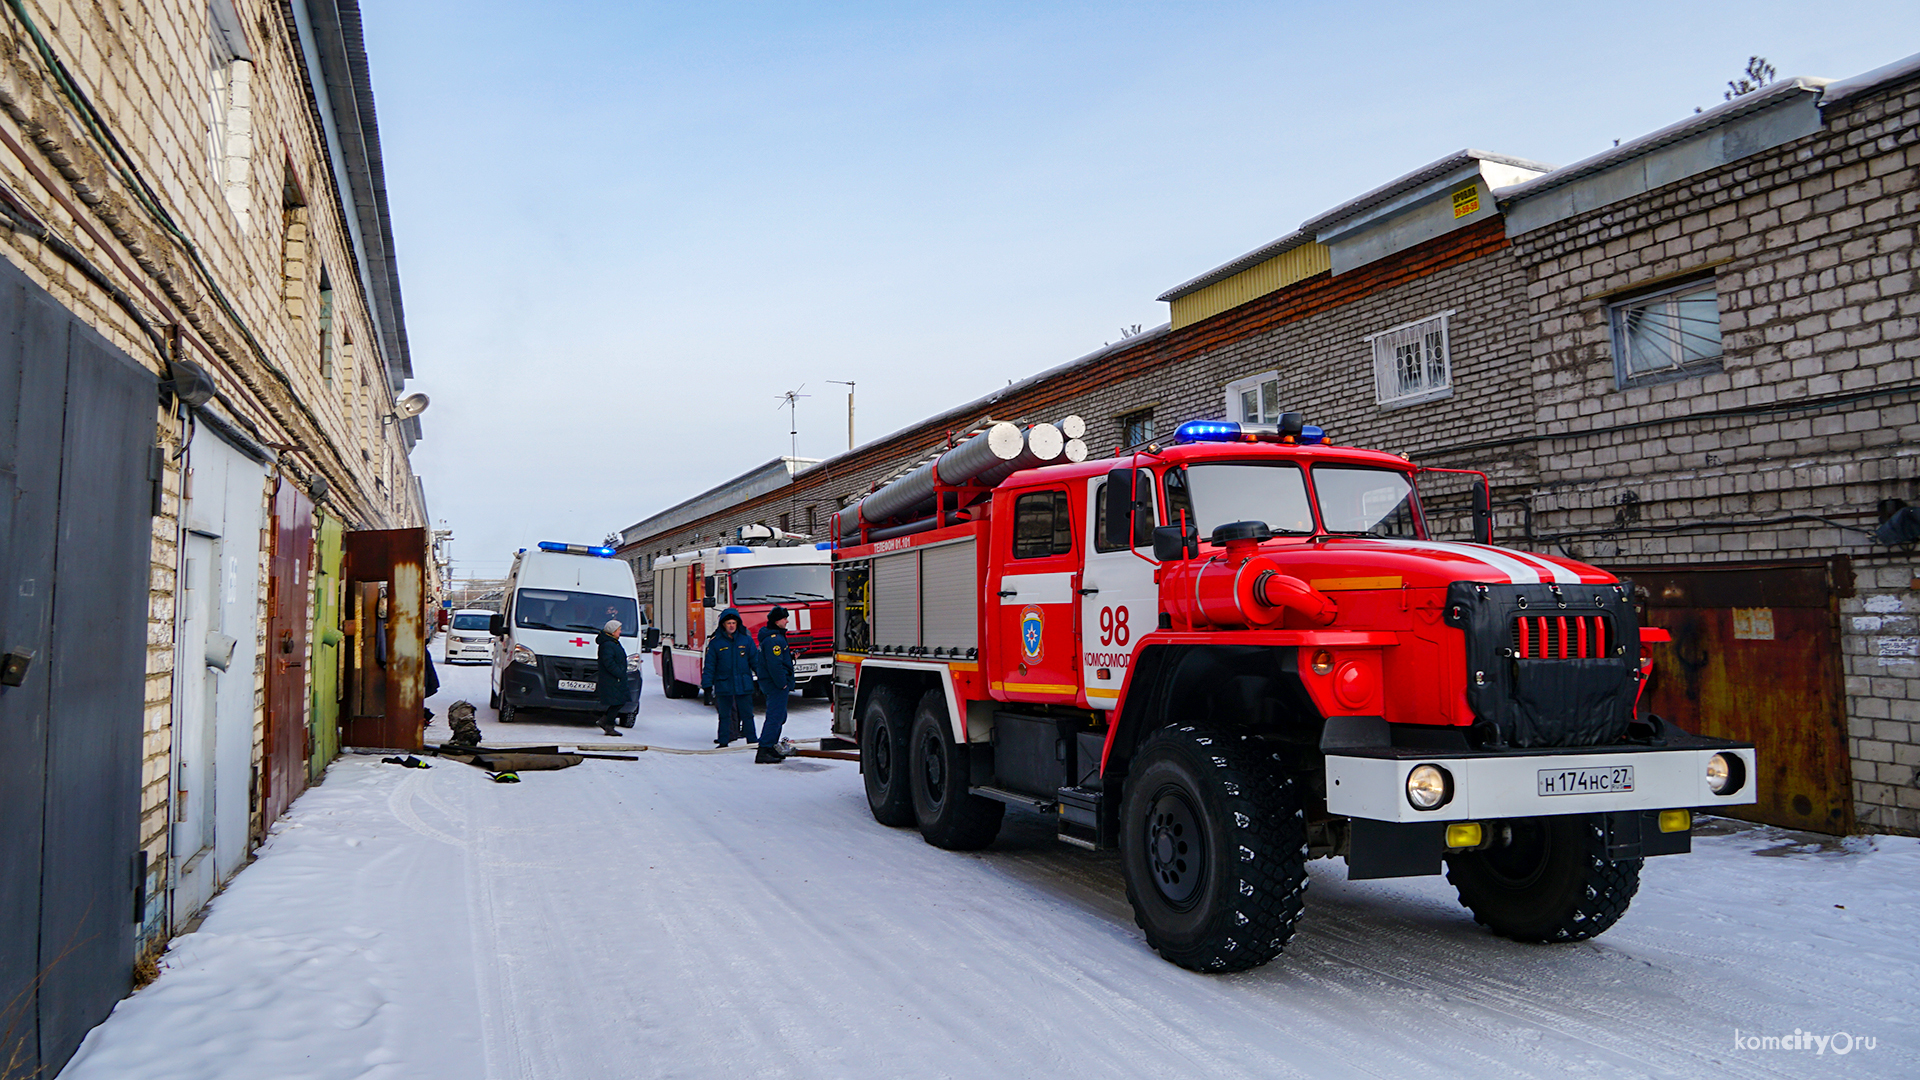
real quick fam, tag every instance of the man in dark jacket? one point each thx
(726, 679)
(776, 681)
(610, 680)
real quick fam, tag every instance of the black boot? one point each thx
(768, 756)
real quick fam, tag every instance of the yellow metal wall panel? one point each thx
(1255, 281)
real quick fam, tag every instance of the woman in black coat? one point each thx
(610, 681)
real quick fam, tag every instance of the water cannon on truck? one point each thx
(1242, 649)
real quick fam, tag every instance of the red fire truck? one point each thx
(1241, 650)
(692, 588)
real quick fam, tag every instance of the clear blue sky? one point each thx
(625, 228)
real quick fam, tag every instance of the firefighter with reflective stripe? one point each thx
(776, 681)
(727, 677)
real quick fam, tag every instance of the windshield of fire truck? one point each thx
(1357, 499)
(1219, 493)
(782, 584)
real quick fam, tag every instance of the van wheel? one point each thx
(883, 757)
(668, 686)
(507, 711)
(493, 699)
(1213, 846)
(950, 815)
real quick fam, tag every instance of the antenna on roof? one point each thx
(791, 402)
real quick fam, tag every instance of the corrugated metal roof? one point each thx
(1226, 270)
(1646, 144)
(1426, 173)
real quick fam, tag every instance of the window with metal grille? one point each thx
(1673, 333)
(1042, 525)
(1412, 362)
(1136, 428)
(1562, 637)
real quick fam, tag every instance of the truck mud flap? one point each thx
(1387, 849)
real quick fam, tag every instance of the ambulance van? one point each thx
(557, 598)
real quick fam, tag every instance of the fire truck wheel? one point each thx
(1213, 845)
(1545, 879)
(669, 686)
(883, 757)
(950, 816)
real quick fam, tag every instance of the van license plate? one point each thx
(1590, 781)
(577, 686)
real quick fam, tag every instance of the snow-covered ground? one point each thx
(693, 914)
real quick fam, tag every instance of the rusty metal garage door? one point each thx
(1756, 656)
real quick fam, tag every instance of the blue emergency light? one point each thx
(737, 549)
(1229, 431)
(575, 549)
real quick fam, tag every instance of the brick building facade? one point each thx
(203, 346)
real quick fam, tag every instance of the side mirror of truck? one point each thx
(497, 624)
(1482, 512)
(650, 638)
(1170, 542)
(708, 602)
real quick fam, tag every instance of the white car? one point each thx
(469, 638)
(558, 597)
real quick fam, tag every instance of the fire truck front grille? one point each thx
(1562, 637)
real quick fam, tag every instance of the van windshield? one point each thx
(582, 612)
(782, 584)
(472, 621)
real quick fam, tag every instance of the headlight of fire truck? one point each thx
(1429, 787)
(633, 662)
(1726, 774)
(522, 655)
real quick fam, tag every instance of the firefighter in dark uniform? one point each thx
(726, 679)
(776, 681)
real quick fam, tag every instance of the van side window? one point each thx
(1042, 525)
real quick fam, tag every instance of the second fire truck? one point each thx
(1243, 649)
(692, 588)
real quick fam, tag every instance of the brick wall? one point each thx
(1784, 452)
(222, 180)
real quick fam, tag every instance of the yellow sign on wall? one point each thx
(1466, 200)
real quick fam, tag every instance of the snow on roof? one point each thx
(1433, 171)
(1725, 113)
(1226, 270)
(1898, 71)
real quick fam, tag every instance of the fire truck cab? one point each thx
(692, 588)
(1231, 653)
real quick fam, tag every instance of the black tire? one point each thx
(1545, 879)
(507, 711)
(950, 815)
(626, 719)
(669, 687)
(883, 757)
(1213, 845)
(817, 686)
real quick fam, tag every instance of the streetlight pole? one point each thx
(848, 383)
